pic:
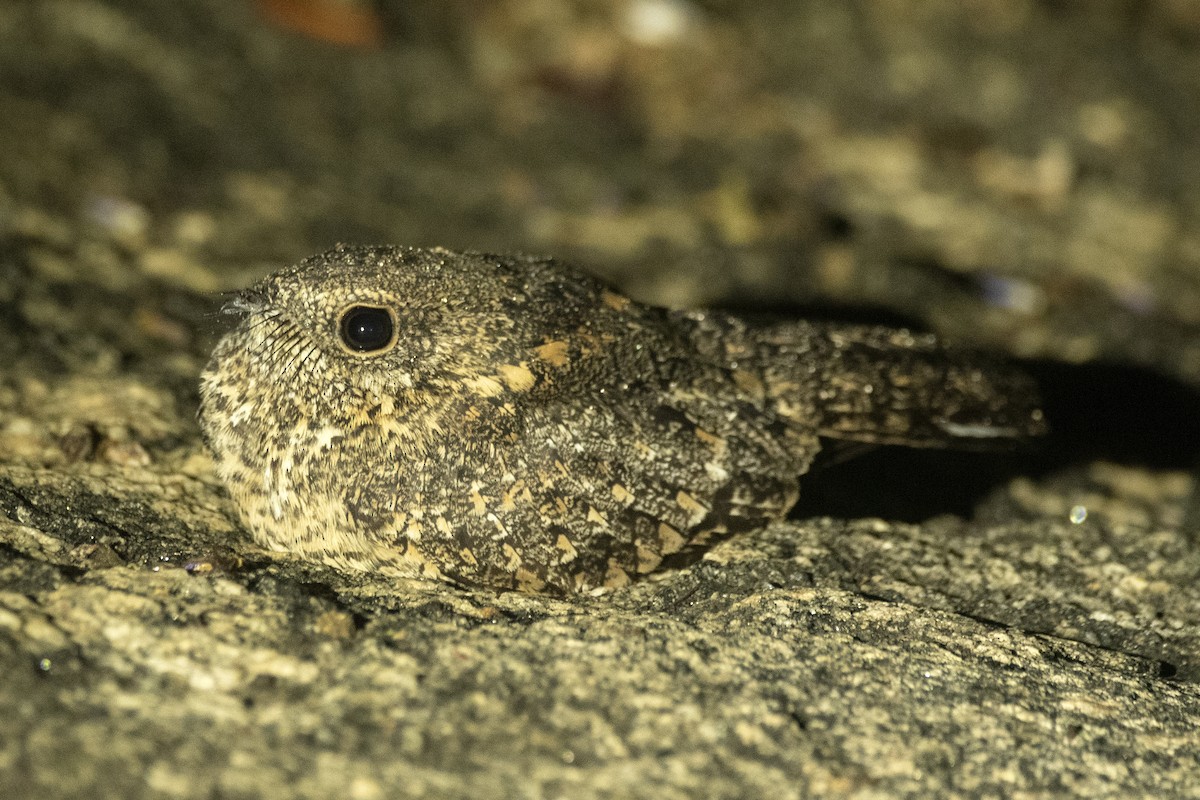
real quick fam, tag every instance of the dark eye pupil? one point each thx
(365, 328)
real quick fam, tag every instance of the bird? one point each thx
(510, 422)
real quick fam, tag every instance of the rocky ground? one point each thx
(1020, 176)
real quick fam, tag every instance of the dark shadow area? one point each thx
(1117, 412)
(1111, 412)
(757, 311)
(902, 484)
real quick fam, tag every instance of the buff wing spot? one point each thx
(517, 377)
(556, 353)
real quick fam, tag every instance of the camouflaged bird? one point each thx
(505, 421)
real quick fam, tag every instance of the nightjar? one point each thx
(509, 422)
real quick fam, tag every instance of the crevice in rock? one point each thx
(1117, 413)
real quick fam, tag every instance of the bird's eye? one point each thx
(367, 329)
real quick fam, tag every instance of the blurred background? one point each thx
(1021, 176)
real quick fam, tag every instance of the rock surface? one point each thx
(1019, 176)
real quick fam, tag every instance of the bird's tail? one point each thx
(888, 386)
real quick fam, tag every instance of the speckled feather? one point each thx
(531, 429)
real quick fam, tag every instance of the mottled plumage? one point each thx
(508, 422)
